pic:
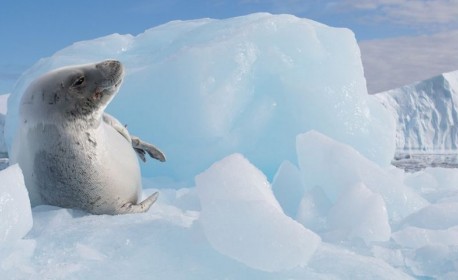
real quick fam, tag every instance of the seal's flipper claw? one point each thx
(142, 207)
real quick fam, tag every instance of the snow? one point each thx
(277, 166)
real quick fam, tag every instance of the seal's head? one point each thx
(75, 92)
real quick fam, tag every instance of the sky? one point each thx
(401, 41)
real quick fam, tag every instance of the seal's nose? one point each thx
(109, 66)
(111, 69)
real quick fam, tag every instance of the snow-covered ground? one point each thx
(278, 166)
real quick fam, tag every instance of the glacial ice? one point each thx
(271, 147)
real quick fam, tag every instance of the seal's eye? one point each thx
(78, 82)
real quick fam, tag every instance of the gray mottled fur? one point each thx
(72, 154)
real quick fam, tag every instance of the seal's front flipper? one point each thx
(142, 207)
(141, 154)
(113, 122)
(142, 148)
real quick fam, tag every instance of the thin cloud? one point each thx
(420, 13)
(284, 6)
(392, 63)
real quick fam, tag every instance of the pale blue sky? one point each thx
(31, 30)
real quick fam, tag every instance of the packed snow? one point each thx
(278, 166)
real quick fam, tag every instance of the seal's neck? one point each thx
(89, 119)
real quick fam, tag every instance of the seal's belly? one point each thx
(96, 170)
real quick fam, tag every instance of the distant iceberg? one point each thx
(426, 114)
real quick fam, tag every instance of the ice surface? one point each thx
(171, 241)
(242, 219)
(416, 237)
(165, 243)
(437, 216)
(313, 209)
(15, 212)
(288, 188)
(435, 184)
(204, 89)
(431, 253)
(344, 168)
(359, 213)
(344, 264)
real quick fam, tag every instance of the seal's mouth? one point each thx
(109, 91)
(97, 95)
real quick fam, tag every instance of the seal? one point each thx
(72, 153)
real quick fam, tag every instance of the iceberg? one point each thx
(204, 89)
(426, 114)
